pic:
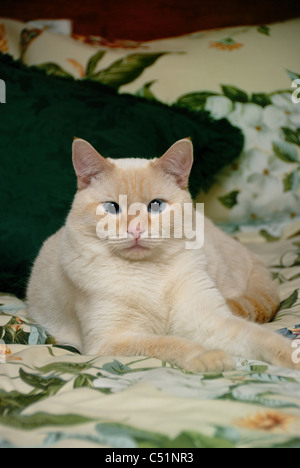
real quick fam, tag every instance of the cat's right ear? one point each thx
(178, 161)
(87, 162)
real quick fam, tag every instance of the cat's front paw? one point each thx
(210, 361)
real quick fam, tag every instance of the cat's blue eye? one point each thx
(112, 208)
(156, 206)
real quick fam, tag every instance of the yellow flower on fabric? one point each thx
(5, 354)
(226, 44)
(266, 421)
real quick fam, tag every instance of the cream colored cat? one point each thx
(112, 281)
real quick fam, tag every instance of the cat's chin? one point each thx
(136, 252)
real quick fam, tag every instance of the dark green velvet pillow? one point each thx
(41, 116)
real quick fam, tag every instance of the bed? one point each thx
(236, 88)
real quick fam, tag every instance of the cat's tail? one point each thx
(260, 301)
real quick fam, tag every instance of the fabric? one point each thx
(246, 74)
(51, 396)
(41, 116)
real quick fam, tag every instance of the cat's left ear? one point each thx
(87, 162)
(178, 161)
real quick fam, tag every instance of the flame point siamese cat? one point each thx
(107, 285)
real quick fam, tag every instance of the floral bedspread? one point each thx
(51, 396)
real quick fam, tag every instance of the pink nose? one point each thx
(135, 230)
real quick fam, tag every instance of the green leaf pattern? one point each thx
(117, 74)
(93, 62)
(230, 199)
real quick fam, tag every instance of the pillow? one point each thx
(41, 116)
(244, 73)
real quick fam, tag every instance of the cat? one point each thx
(107, 285)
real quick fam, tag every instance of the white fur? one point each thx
(166, 301)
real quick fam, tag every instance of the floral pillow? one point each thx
(250, 75)
(262, 187)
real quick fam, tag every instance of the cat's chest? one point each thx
(140, 285)
(142, 294)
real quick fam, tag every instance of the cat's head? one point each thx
(134, 207)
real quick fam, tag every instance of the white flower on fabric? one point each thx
(265, 179)
(257, 161)
(219, 106)
(263, 199)
(250, 118)
(262, 167)
(283, 112)
(262, 195)
(252, 166)
(274, 117)
(255, 201)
